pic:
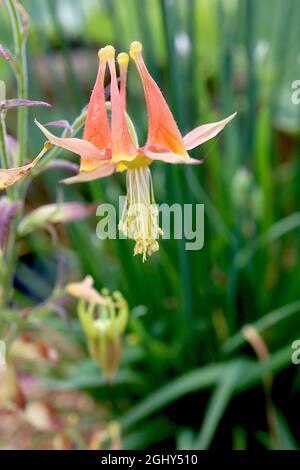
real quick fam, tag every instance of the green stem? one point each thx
(10, 262)
(21, 75)
(4, 150)
(11, 255)
(3, 142)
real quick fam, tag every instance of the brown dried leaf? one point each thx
(10, 176)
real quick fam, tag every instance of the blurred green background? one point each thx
(189, 378)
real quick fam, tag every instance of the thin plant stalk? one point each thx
(20, 39)
(19, 25)
(4, 150)
(3, 142)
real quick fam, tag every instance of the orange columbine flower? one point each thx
(107, 148)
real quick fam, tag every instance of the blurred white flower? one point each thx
(183, 43)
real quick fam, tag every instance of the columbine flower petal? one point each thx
(201, 134)
(163, 130)
(96, 129)
(91, 156)
(85, 176)
(155, 152)
(123, 148)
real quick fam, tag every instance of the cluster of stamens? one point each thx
(139, 220)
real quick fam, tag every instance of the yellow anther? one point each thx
(135, 48)
(123, 58)
(106, 52)
(47, 145)
(102, 53)
(110, 52)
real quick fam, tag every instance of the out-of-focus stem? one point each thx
(20, 35)
(260, 347)
(4, 164)
(21, 75)
(4, 150)
(3, 142)
(10, 263)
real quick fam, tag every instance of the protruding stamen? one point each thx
(47, 145)
(135, 48)
(139, 220)
(102, 53)
(110, 52)
(123, 59)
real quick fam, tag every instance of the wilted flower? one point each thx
(41, 415)
(28, 348)
(10, 390)
(108, 147)
(10, 176)
(103, 319)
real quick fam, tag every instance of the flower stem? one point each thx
(9, 271)
(3, 150)
(3, 142)
(20, 36)
(19, 24)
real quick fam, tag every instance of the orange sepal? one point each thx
(163, 130)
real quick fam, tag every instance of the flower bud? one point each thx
(104, 324)
(63, 212)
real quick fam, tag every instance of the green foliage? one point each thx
(187, 363)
